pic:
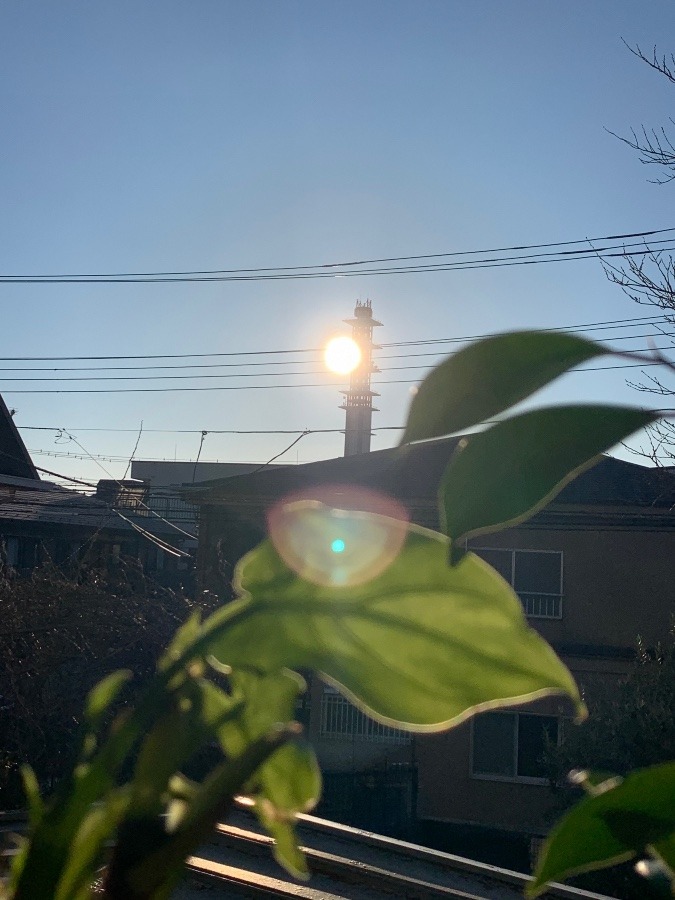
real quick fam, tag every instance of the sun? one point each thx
(342, 355)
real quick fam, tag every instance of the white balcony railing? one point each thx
(542, 606)
(341, 720)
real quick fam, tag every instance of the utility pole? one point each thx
(358, 403)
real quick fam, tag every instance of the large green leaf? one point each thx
(420, 644)
(490, 376)
(505, 474)
(611, 826)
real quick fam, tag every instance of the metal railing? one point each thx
(340, 720)
(542, 606)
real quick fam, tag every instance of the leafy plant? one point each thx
(620, 819)
(433, 637)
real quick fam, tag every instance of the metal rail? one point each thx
(349, 863)
(346, 864)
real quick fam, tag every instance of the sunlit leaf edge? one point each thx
(559, 358)
(246, 606)
(447, 724)
(545, 873)
(522, 517)
(445, 496)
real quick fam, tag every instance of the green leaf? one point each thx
(211, 709)
(262, 700)
(31, 789)
(611, 827)
(41, 868)
(86, 851)
(490, 376)
(420, 644)
(200, 710)
(270, 698)
(291, 778)
(103, 694)
(186, 634)
(166, 747)
(157, 873)
(290, 783)
(503, 475)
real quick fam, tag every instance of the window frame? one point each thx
(511, 779)
(539, 594)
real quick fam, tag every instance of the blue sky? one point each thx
(147, 136)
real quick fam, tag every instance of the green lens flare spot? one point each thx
(338, 546)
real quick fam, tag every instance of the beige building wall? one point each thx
(618, 583)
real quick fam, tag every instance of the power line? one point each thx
(319, 270)
(153, 368)
(590, 326)
(210, 430)
(266, 387)
(163, 545)
(601, 253)
(242, 374)
(284, 362)
(158, 355)
(284, 451)
(608, 325)
(297, 362)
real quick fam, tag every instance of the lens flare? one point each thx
(342, 355)
(338, 537)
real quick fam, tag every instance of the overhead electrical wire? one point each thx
(210, 430)
(584, 327)
(152, 538)
(183, 366)
(70, 506)
(346, 269)
(240, 374)
(609, 325)
(268, 387)
(59, 379)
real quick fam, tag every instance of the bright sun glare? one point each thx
(342, 355)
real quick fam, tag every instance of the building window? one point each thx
(511, 746)
(340, 720)
(535, 575)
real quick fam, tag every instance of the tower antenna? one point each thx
(358, 404)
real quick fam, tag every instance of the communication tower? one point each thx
(358, 403)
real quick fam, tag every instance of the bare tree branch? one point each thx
(663, 64)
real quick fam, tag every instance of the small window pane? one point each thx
(537, 573)
(493, 744)
(501, 560)
(535, 734)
